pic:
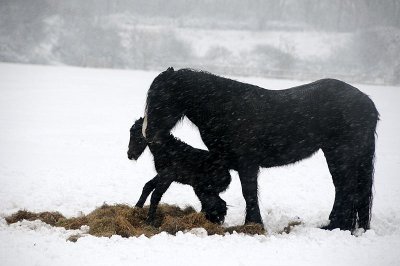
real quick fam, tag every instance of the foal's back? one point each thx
(187, 165)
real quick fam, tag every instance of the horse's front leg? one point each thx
(147, 189)
(248, 178)
(161, 187)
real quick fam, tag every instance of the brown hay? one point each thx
(172, 224)
(72, 223)
(48, 217)
(249, 229)
(290, 226)
(74, 238)
(126, 221)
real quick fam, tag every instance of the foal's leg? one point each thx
(161, 187)
(147, 189)
(248, 178)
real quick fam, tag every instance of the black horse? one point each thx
(177, 161)
(248, 127)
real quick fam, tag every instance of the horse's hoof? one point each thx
(332, 226)
(253, 220)
(253, 223)
(328, 227)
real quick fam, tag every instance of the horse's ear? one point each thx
(170, 69)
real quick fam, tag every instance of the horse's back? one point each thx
(342, 106)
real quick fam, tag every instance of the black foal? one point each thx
(176, 161)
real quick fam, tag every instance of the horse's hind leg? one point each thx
(352, 169)
(147, 189)
(343, 166)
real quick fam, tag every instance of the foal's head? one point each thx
(137, 143)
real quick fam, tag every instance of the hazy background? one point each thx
(354, 40)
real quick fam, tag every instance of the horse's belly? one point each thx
(284, 158)
(266, 144)
(287, 151)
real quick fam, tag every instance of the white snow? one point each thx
(63, 141)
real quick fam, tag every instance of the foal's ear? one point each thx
(140, 120)
(138, 123)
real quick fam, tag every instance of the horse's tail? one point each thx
(365, 184)
(366, 175)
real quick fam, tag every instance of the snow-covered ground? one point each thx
(63, 140)
(306, 45)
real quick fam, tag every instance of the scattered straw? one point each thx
(290, 226)
(126, 221)
(74, 238)
(48, 217)
(172, 224)
(249, 229)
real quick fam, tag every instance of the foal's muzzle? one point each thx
(130, 155)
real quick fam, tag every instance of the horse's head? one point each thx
(215, 179)
(214, 208)
(137, 143)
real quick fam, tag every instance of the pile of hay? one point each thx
(126, 221)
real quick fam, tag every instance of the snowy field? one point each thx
(63, 141)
